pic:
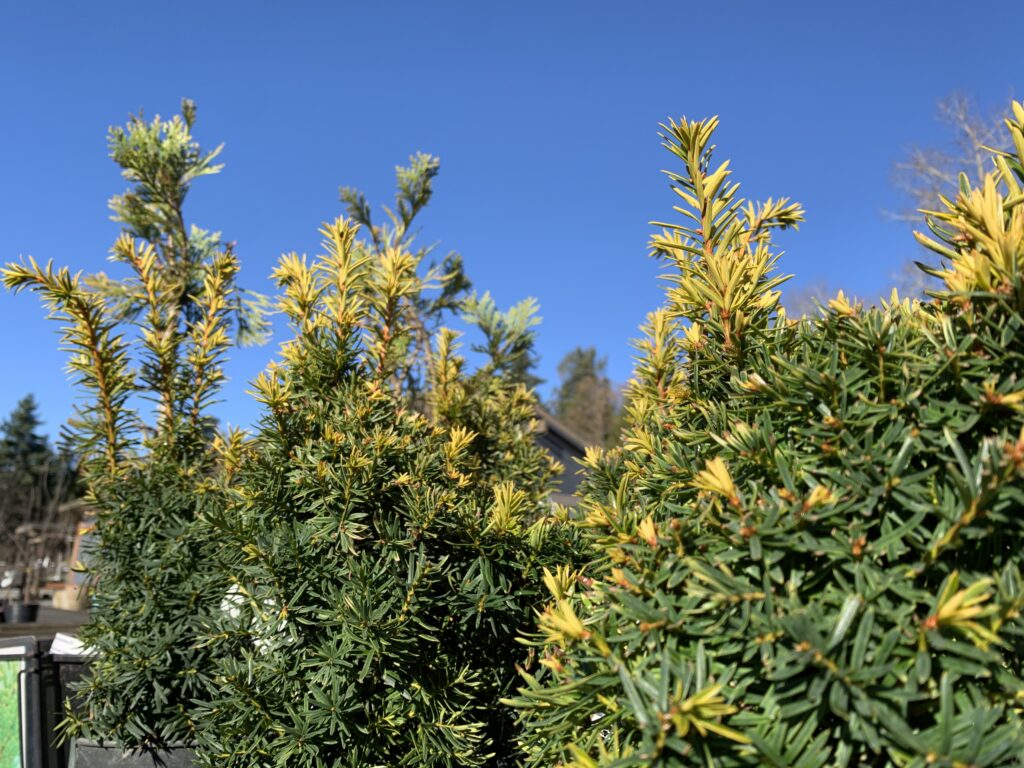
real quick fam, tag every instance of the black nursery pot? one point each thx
(20, 613)
(90, 754)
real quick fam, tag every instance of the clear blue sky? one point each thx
(544, 114)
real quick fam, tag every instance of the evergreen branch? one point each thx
(99, 355)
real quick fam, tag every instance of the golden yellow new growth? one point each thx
(753, 383)
(639, 439)
(1014, 400)
(842, 305)
(459, 439)
(983, 228)
(561, 582)
(597, 515)
(560, 623)
(961, 609)
(693, 337)
(703, 712)
(715, 478)
(648, 531)
(508, 510)
(819, 496)
(270, 389)
(300, 290)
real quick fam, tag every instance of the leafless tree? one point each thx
(928, 172)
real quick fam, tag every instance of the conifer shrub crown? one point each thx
(146, 351)
(385, 541)
(810, 542)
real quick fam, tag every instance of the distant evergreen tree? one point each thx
(24, 452)
(586, 400)
(34, 479)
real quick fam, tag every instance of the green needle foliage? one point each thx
(162, 161)
(158, 335)
(426, 310)
(811, 539)
(385, 543)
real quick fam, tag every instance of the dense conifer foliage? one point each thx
(157, 336)
(347, 586)
(811, 539)
(383, 556)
